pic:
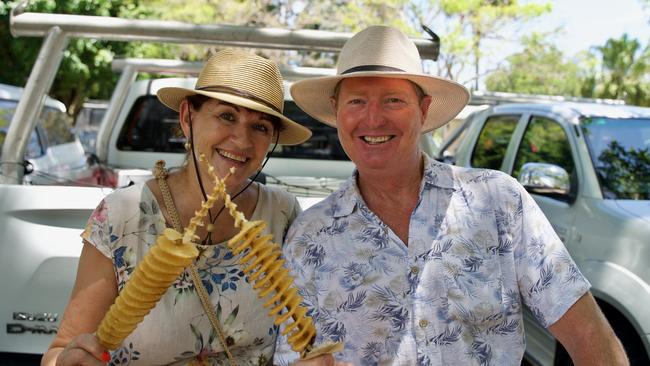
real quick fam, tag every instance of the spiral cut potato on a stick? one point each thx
(263, 265)
(161, 266)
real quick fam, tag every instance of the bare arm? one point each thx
(94, 291)
(587, 336)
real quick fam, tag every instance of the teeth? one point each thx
(376, 139)
(232, 156)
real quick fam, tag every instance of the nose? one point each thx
(374, 115)
(241, 137)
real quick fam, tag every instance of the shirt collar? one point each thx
(347, 197)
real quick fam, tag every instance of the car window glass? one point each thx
(151, 126)
(620, 151)
(7, 108)
(96, 117)
(34, 147)
(493, 141)
(57, 126)
(323, 144)
(544, 142)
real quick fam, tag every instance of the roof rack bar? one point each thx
(178, 67)
(30, 105)
(127, 77)
(119, 29)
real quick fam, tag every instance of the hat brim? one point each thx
(448, 97)
(292, 132)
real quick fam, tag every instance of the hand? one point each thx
(83, 350)
(322, 360)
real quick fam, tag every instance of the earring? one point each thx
(188, 146)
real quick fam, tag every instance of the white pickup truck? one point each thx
(587, 165)
(41, 224)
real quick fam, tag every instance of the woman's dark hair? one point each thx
(197, 101)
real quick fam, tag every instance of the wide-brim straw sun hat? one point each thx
(380, 51)
(244, 79)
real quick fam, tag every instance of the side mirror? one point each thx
(546, 179)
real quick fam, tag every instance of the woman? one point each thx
(232, 117)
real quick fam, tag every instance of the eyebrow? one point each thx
(235, 106)
(263, 115)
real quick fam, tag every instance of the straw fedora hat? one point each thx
(380, 51)
(244, 79)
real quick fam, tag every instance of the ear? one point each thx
(184, 118)
(333, 105)
(424, 107)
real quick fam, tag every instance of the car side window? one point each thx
(544, 141)
(323, 144)
(493, 141)
(151, 126)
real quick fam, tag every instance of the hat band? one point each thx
(239, 93)
(370, 68)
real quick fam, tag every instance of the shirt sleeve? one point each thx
(549, 280)
(97, 231)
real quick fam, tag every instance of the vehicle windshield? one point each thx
(52, 120)
(620, 151)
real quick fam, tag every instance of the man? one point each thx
(416, 262)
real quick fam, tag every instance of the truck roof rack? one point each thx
(59, 28)
(494, 98)
(178, 67)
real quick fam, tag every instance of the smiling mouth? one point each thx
(231, 156)
(376, 140)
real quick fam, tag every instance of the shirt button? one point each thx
(423, 323)
(415, 270)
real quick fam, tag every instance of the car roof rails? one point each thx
(59, 28)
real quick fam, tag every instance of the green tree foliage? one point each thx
(471, 24)
(341, 16)
(85, 69)
(625, 173)
(539, 69)
(624, 72)
(544, 142)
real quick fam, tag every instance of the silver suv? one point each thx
(588, 167)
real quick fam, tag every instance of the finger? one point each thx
(77, 357)
(86, 348)
(322, 360)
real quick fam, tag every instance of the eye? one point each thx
(355, 101)
(394, 100)
(227, 116)
(262, 127)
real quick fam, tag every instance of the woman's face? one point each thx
(229, 136)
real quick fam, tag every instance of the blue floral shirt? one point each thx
(479, 248)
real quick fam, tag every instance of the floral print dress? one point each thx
(177, 332)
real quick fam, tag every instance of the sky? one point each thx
(585, 23)
(592, 22)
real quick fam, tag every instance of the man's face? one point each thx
(379, 122)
